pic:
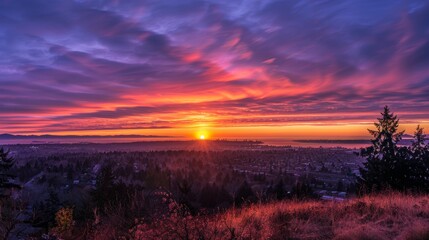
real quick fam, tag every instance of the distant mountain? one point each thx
(48, 136)
(406, 140)
(350, 141)
(407, 136)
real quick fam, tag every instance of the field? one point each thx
(388, 216)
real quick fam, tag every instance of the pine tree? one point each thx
(280, 190)
(104, 193)
(9, 208)
(52, 204)
(418, 146)
(244, 194)
(419, 162)
(6, 162)
(386, 165)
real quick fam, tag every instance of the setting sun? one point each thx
(202, 135)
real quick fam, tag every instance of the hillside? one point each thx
(390, 216)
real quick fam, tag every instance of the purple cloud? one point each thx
(158, 64)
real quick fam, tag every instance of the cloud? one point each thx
(93, 65)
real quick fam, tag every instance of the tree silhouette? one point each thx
(9, 209)
(387, 165)
(244, 194)
(104, 192)
(419, 162)
(418, 146)
(6, 162)
(279, 190)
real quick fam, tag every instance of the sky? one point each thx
(298, 69)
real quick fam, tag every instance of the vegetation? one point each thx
(64, 221)
(390, 166)
(9, 208)
(6, 162)
(387, 216)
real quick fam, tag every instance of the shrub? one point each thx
(64, 219)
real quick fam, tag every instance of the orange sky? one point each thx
(255, 70)
(358, 131)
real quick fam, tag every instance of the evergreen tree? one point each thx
(244, 193)
(419, 162)
(104, 191)
(52, 204)
(8, 207)
(6, 162)
(386, 165)
(418, 145)
(279, 190)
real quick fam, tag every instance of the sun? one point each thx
(202, 135)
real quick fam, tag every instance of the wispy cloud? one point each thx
(76, 65)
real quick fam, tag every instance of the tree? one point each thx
(244, 194)
(6, 162)
(386, 165)
(111, 195)
(104, 190)
(64, 219)
(9, 209)
(52, 204)
(280, 190)
(418, 145)
(419, 162)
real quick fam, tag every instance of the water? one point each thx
(316, 144)
(350, 144)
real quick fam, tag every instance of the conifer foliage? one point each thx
(391, 166)
(6, 162)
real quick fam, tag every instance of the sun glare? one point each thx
(202, 135)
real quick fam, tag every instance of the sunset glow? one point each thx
(202, 134)
(127, 67)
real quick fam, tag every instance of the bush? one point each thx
(64, 219)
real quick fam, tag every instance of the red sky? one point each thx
(231, 68)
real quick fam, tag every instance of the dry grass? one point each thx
(388, 216)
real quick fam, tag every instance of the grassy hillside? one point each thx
(389, 216)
